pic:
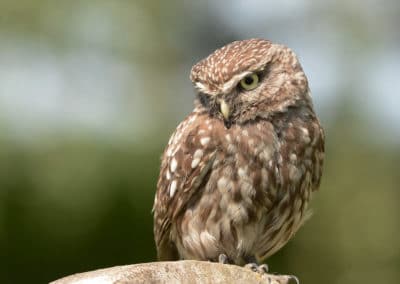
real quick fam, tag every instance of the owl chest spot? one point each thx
(219, 223)
(226, 218)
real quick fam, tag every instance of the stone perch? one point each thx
(187, 271)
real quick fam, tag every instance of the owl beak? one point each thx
(224, 107)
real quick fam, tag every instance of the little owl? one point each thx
(238, 173)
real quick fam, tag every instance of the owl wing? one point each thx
(319, 152)
(298, 174)
(185, 166)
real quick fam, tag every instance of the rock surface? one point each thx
(187, 271)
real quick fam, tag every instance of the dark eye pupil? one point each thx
(248, 80)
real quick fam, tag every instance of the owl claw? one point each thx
(252, 266)
(263, 268)
(293, 279)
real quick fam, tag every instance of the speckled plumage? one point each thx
(240, 186)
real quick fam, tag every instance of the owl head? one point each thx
(249, 79)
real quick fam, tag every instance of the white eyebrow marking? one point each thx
(228, 86)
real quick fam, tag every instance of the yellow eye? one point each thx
(249, 82)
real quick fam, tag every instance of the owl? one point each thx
(238, 173)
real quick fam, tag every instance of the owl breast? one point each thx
(252, 185)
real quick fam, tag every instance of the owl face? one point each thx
(248, 79)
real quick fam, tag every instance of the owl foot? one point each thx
(262, 269)
(222, 258)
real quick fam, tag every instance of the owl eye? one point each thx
(250, 82)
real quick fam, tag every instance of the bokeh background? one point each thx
(91, 90)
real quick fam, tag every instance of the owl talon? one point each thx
(293, 279)
(263, 268)
(252, 266)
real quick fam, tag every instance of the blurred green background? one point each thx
(91, 90)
